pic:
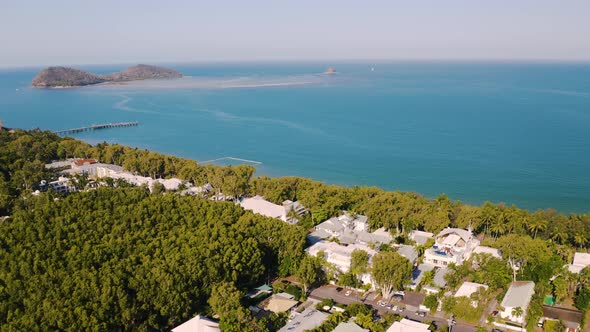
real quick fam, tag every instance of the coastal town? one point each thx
(438, 292)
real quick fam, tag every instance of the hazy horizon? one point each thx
(63, 32)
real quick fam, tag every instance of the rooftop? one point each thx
(198, 324)
(307, 320)
(519, 295)
(349, 327)
(468, 288)
(581, 259)
(487, 250)
(278, 303)
(406, 325)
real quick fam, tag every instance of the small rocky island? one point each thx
(64, 77)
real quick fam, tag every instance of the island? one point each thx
(330, 70)
(64, 77)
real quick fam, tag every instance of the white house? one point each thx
(420, 237)
(259, 205)
(487, 250)
(198, 324)
(581, 260)
(349, 327)
(468, 288)
(452, 245)
(310, 318)
(519, 295)
(62, 185)
(349, 228)
(406, 325)
(340, 255)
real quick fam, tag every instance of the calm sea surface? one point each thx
(514, 133)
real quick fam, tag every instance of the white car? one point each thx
(347, 293)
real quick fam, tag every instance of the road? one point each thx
(411, 303)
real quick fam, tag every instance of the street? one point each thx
(411, 303)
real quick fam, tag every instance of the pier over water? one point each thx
(96, 127)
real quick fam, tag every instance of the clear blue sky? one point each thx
(45, 32)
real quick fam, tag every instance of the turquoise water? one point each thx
(507, 132)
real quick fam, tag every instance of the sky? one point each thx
(66, 32)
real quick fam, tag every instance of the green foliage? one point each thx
(431, 302)
(121, 259)
(357, 308)
(390, 272)
(582, 300)
(310, 272)
(331, 323)
(287, 287)
(553, 326)
(325, 303)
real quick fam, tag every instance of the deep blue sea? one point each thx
(517, 133)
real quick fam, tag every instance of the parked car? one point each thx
(420, 313)
(388, 306)
(398, 297)
(494, 313)
(402, 293)
(401, 309)
(381, 303)
(395, 308)
(348, 292)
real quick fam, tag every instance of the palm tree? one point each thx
(517, 312)
(536, 224)
(580, 240)
(498, 227)
(559, 236)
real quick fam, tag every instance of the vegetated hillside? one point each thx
(142, 72)
(65, 77)
(58, 77)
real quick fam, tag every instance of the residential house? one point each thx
(488, 250)
(468, 288)
(280, 302)
(409, 252)
(406, 325)
(452, 245)
(198, 324)
(340, 255)
(349, 228)
(310, 318)
(420, 237)
(259, 205)
(418, 274)
(581, 260)
(519, 295)
(349, 327)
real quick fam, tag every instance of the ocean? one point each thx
(517, 133)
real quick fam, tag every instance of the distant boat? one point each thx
(330, 70)
(372, 68)
(17, 90)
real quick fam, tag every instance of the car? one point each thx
(420, 313)
(348, 292)
(402, 293)
(395, 308)
(388, 306)
(494, 313)
(383, 303)
(401, 309)
(398, 297)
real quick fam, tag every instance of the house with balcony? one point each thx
(452, 245)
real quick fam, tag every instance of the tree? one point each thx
(309, 272)
(431, 302)
(390, 272)
(359, 262)
(225, 301)
(517, 312)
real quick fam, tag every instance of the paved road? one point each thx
(411, 303)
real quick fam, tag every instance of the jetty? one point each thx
(97, 127)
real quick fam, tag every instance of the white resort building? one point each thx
(467, 289)
(340, 255)
(349, 228)
(452, 245)
(259, 205)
